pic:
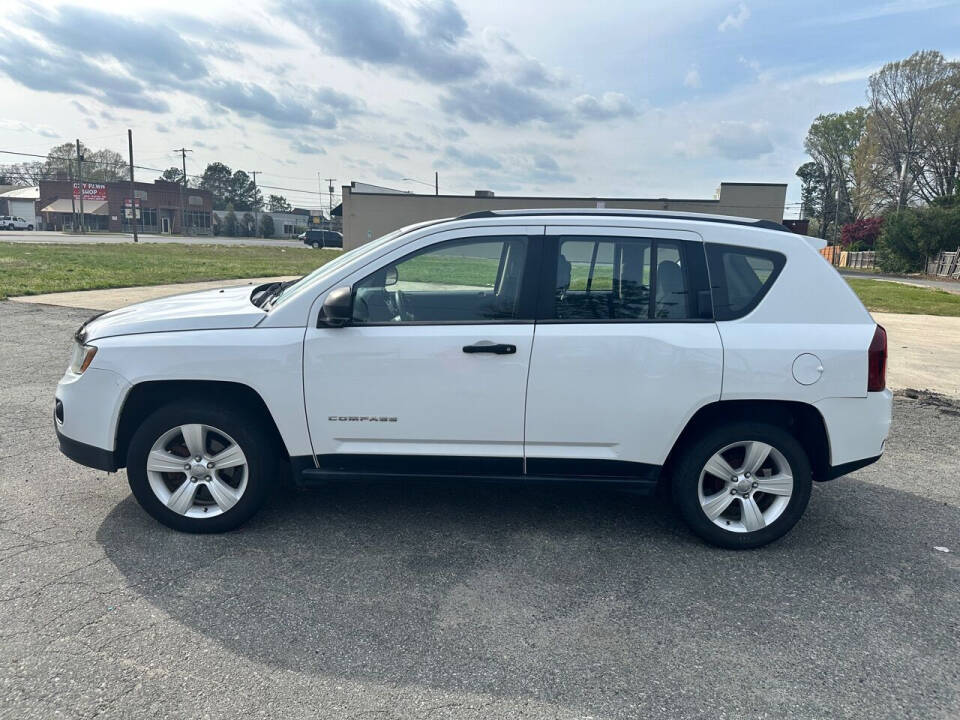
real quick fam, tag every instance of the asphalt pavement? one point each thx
(466, 600)
(946, 284)
(44, 237)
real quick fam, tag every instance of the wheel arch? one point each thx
(803, 420)
(145, 397)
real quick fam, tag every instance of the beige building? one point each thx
(370, 211)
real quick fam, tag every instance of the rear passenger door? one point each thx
(625, 350)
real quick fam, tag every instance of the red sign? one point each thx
(91, 191)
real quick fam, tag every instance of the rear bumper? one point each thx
(89, 455)
(840, 470)
(857, 429)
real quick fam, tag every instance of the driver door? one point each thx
(430, 376)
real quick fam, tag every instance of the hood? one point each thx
(203, 310)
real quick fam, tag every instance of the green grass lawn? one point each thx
(883, 296)
(27, 269)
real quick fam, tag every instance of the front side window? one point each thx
(620, 278)
(740, 277)
(471, 280)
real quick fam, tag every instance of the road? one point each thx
(951, 286)
(45, 237)
(468, 600)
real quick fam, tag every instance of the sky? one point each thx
(614, 98)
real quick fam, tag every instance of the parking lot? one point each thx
(467, 601)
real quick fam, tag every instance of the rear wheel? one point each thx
(199, 467)
(743, 485)
(316, 246)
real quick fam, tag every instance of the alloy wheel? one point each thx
(745, 486)
(197, 470)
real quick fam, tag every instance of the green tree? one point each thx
(266, 225)
(833, 141)
(278, 203)
(217, 178)
(243, 193)
(172, 174)
(812, 181)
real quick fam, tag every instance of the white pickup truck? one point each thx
(13, 222)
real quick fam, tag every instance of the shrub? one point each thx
(230, 224)
(266, 225)
(862, 234)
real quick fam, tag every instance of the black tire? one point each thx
(316, 246)
(30, 228)
(686, 478)
(239, 424)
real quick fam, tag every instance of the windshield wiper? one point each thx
(271, 292)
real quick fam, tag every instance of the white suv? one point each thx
(720, 355)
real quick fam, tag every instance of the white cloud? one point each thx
(17, 126)
(692, 78)
(735, 21)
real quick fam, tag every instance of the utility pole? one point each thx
(836, 226)
(256, 205)
(80, 182)
(73, 198)
(183, 184)
(436, 183)
(330, 188)
(133, 192)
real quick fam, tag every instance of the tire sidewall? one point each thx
(687, 477)
(238, 425)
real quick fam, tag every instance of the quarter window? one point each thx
(622, 279)
(475, 280)
(740, 277)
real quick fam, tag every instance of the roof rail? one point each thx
(654, 214)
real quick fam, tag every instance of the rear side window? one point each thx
(629, 279)
(740, 277)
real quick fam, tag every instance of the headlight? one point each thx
(82, 357)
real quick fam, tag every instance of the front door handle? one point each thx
(489, 347)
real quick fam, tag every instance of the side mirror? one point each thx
(390, 276)
(337, 308)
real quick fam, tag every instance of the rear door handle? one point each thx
(489, 347)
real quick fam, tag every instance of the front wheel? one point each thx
(199, 467)
(743, 485)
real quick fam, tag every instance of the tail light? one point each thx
(877, 361)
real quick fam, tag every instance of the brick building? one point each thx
(103, 207)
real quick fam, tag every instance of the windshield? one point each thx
(324, 270)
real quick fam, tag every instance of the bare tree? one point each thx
(903, 98)
(941, 155)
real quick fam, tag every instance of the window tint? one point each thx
(472, 280)
(740, 277)
(612, 279)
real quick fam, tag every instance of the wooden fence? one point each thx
(947, 264)
(865, 259)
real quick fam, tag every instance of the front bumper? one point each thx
(89, 455)
(86, 414)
